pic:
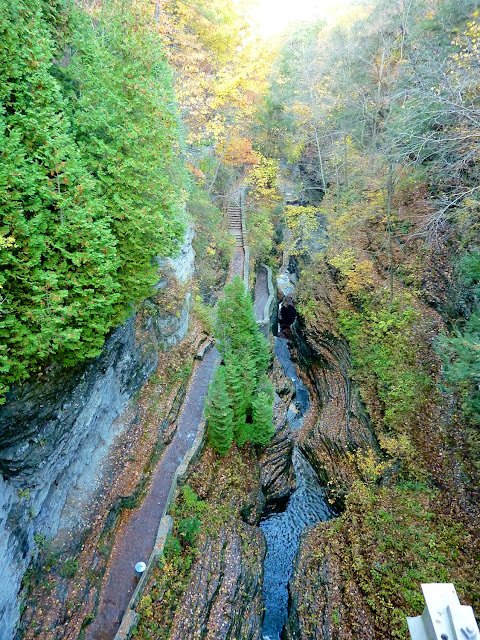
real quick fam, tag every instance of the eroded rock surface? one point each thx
(342, 423)
(276, 468)
(224, 598)
(56, 431)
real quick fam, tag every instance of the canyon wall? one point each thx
(56, 430)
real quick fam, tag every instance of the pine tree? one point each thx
(219, 414)
(236, 326)
(266, 386)
(246, 354)
(262, 413)
(240, 398)
(260, 350)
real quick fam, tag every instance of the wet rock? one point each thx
(224, 598)
(276, 468)
(283, 386)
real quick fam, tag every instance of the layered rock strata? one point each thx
(224, 597)
(56, 431)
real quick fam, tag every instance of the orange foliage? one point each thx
(240, 152)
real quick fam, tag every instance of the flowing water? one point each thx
(306, 506)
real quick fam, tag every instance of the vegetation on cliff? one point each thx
(90, 186)
(379, 116)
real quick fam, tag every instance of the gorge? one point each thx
(239, 319)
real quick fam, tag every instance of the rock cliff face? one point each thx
(224, 597)
(277, 474)
(342, 423)
(55, 432)
(339, 425)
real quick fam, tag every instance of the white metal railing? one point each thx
(443, 618)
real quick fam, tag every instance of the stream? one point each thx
(306, 506)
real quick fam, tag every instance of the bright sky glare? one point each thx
(274, 16)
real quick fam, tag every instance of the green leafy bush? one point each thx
(382, 343)
(460, 351)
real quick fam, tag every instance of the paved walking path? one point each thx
(261, 293)
(137, 539)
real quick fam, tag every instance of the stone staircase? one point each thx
(234, 213)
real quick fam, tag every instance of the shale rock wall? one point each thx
(56, 431)
(341, 423)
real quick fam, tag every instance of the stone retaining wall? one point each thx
(264, 324)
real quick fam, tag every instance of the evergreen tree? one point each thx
(236, 327)
(260, 350)
(266, 387)
(90, 175)
(129, 136)
(58, 275)
(219, 414)
(262, 414)
(240, 391)
(246, 354)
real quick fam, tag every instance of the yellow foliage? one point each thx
(400, 448)
(357, 275)
(6, 242)
(221, 70)
(368, 467)
(302, 223)
(240, 151)
(263, 178)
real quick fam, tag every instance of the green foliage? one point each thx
(389, 541)
(236, 327)
(240, 372)
(128, 135)
(69, 568)
(235, 408)
(460, 351)
(157, 607)
(470, 270)
(58, 279)
(219, 414)
(205, 314)
(188, 529)
(263, 428)
(382, 342)
(213, 243)
(86, 177)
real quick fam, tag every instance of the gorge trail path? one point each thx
(135, 541)
(136, 538)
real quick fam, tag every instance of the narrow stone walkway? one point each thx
(136, 540)
(234, 213)
(261, 293)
